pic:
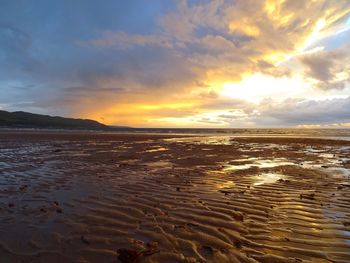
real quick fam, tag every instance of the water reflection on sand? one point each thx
(202, 199)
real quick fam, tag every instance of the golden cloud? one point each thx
(219, 42)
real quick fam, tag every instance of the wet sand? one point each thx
(89, 197)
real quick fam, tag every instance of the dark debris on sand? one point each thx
(126, 255)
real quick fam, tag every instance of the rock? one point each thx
(225, 192)
(238, 217)
(152, 245)
(23, 187)
(84, 240)
(128, 255)
(238, 244)
(307, 196)
(207, 250)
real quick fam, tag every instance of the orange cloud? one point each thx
(220, 42)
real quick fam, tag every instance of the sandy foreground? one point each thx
(87, 197)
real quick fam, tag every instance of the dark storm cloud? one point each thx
(39, 46)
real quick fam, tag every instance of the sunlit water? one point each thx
(343, 134)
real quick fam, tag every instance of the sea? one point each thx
(337, 134)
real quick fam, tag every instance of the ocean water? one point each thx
(337, 134)
(340, 134)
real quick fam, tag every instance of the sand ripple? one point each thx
(80, 199)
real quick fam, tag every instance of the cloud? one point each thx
(15, 55)
(295, 111)
(132, 62)
(289, 113)
(329, 69)
(230, 38)
(123, 41)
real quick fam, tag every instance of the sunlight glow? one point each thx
(257, 87)
(244, 27)
(204, 119)
(314, 35)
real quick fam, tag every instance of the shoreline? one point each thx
(55, 134)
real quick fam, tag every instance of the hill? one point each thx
(20, 119)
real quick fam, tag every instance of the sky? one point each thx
(179, 63)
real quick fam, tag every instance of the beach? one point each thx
(109, 197)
